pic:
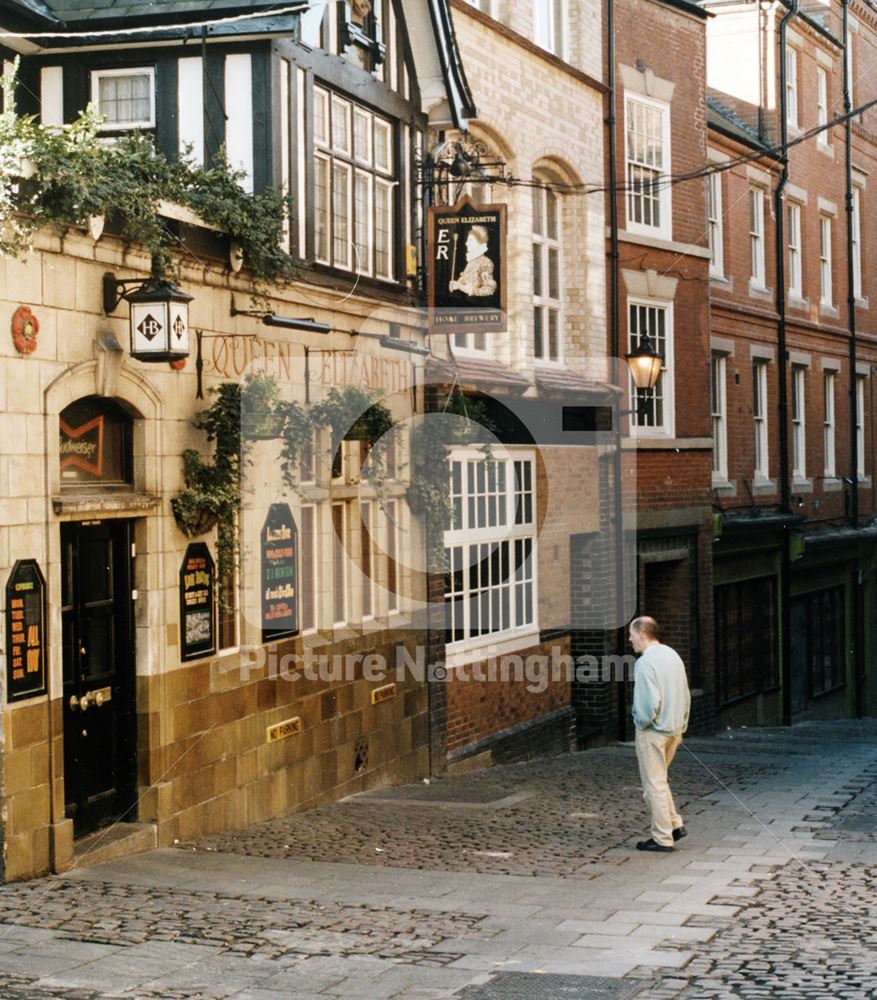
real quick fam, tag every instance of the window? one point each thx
(714, 222)
(124, 97)
(549, 25)
(95, 445)
(857, 242)
(799, 421)
(821, 614)
(756, 237)
(485, 6)
(792, 86)
(822, 104)
(339, 563)
(745, 614)
(392, 555)
(794, 237)
(354, 179)
(719, 417)
(547, 329)
(759, 416)
(829, 381)
(309, 549)
(860, 426)
(654, 407)
(490, 585)
(367, 561)
(848, 58)
(826, 292)
(647, 143)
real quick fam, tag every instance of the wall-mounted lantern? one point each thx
(158, 317)
(645, 363)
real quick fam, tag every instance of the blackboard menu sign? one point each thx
(25, 631)
(197, 618)
(279, 574)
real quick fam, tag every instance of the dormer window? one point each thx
(124, 98)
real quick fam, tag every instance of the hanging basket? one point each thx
(193, 521)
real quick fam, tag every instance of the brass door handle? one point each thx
(74, 703)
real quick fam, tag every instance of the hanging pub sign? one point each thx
(466, 271)
(279, 574)
(197, 618)
(25, 633)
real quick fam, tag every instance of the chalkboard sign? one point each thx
(25, 632)
(197, 613)
(279, 574)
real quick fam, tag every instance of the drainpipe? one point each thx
(615, 344)
(783, 401)
(857, 622)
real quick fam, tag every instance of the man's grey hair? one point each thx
(646, 626)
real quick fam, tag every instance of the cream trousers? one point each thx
(654, 752)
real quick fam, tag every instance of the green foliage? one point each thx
(61, 176)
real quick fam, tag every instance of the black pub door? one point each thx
(98, 672)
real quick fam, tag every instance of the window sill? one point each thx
(762, 487)
(802, 484)
(832, 484)
(669, 443)
(758, 291)
(488, 649)
(831, 312)
(104, 503)
(796, 302)
(862, 302)
(725, 487)
(720, 279)
(826, 149)
(864, 482)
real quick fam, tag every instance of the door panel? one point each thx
(98, 672)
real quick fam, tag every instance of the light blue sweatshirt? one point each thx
(661, 699)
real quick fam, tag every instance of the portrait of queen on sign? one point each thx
(467, 268)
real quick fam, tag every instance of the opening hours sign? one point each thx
(25, 631)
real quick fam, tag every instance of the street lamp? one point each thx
(645, 363)
(158, 318)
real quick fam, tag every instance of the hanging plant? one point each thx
(65, 176)
(354, 414)
(212, 493)
(261, 418)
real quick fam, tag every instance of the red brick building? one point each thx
(793, 350)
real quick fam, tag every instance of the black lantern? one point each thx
(645, 363)
(158, 318)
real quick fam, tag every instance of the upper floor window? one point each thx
(861, 385)
(857, 241)
(354, 180)
(714, 222)
(792, 86)
(654, 410)
(718, 408)
(125, 98)
(799, 423)
(547, 326)
(549, 24)
(759, 417)
(647, 153)
(822, 104)
(828, 424)
(794, 237)
(756, 237)
(826, 293)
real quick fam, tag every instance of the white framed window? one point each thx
(485, 6)
(829, 424)
(547, 293)
(654, 414)
(339, 563)
(647, 156)
(549, 23)
(799, 422)
(822, 104)
(857, 241)
(392, 549)
(715, 223)
(848, 57)
(309, 569)
(719, 412)
(861, 384)
(792, 86)
(759, 417)
(367, 561)
(756, 237)
(826, 291)
(353, 185)
(125, 98)
(490, 546)
(794, 244)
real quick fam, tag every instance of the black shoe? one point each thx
(679, 833)
(652, 845)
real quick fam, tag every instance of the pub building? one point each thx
(149, 681)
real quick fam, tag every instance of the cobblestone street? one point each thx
(521, 881)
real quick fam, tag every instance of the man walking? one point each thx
(661, 703)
